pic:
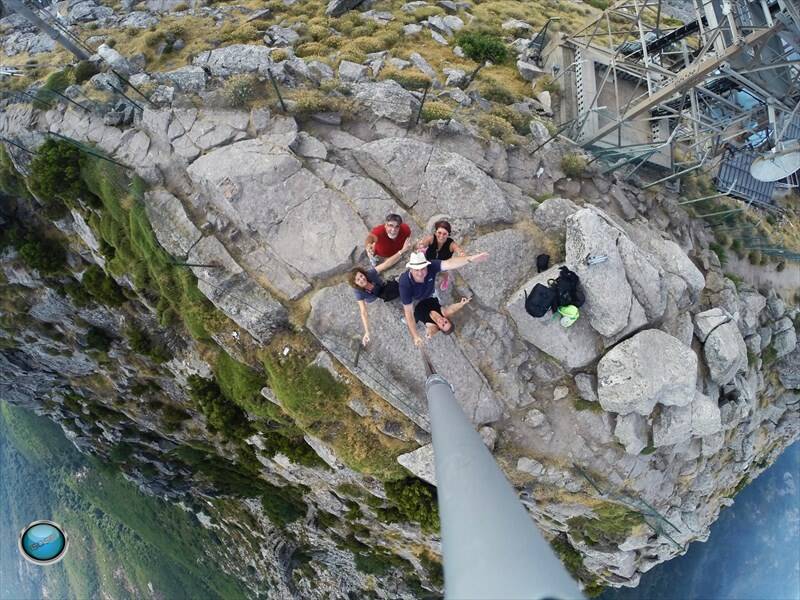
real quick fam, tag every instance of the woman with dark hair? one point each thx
(440, 246)
(368, 286)
(435, 317)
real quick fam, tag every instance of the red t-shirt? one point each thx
(385, 246)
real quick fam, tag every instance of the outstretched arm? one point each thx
(457, 250)
(451, 264)
(408, 311)
(362, 308)
(451, 309)
(392, 260)
(424, 242)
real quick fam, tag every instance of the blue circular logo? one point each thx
(43, 543)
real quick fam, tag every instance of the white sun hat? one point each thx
(417, 261)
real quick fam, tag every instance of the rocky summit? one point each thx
(202, 302)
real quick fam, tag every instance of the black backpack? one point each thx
(540, 300)
(566, 289)
(542, 262)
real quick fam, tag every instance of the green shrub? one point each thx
(283, 505)
(496, 92)
(411, 79)
(240, 384)
(720, 252)
(56, 176)
(98, 339)
(43, 254)
(573, 165)
(610, 527)
(754, 257)
(520, 122)
(85, 70)
(416, 500)
(78, 293)
(313, 101)
(599, 4)
(172, 417)
(141, 343)
(546, 83)
(769, 355)
(102, 287)
(222, 416)
(311, 49)
(723, 239)
(240, 90)
(56, 82)
(482, 47)
(434, 569)
(648, 450)
(495, 126)
(435, 110)
(11, 183)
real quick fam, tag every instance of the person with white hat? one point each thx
(419, 282)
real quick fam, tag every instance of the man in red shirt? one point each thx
(387, 240)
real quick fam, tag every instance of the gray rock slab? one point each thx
(587, 386)
(352, 72)
(707, 321)
(309, 147)
(705, 416)
(608, 293)
(187, 79)
(391, 365)
(337, 8)
(421, 463)
(789, 370)
(236, 58)
(672, 425)
(574, 347)
(234, 292)
(263, 188)
(551, 214)
(649, 368)
(632, 432)
(434, 181)
(388, 100)
(267, 266)
(784, 342)
(645, 277)
(173, 229)
(725, 353)
(505, 248)
(369, 199)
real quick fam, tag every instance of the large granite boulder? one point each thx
(705, 416)
(608, 293)
(434, 181)
(651, 367)
(387, 99)
(337, 8)
(707, 321)
(237, 58)
(789, 370)
(672, 425)
(574, 347)
(631, 430)
(551, 214)
(725, 353)
(263, 188)
(511, 253)
(390, 364)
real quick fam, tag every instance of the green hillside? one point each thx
(122, 542)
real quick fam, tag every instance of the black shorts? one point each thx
(424, 307)
(390, 291)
